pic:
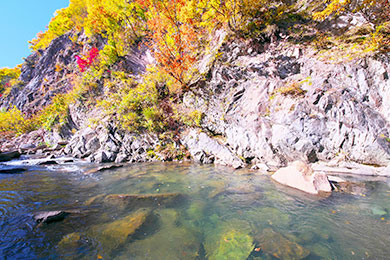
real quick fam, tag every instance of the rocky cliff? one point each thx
(286, 103)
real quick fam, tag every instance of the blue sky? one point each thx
(20, 21)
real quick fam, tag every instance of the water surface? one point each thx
(220, 214)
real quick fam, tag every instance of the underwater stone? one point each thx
(379, 211)
(280, 247)
(144, 200)
(233, 245)
(110, 236)
(115, 234)
(172, 241)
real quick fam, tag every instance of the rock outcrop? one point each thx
(285, 103)
(44, 74)
(108, 144)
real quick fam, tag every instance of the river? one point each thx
(186, 211)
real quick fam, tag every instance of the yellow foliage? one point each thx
(335, 6)
(14, 121)
(8, 78)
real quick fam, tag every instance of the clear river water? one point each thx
(186, 211)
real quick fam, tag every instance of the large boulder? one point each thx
(300, 176)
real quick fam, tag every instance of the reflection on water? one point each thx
(186, 211)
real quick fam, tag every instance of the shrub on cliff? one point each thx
(13, 121)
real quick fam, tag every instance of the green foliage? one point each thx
(137, 106)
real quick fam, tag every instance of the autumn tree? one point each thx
(120, 22)
(173, 35)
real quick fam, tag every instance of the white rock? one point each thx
(300, 176)
(385, 171)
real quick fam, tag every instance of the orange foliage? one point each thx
(173, 37)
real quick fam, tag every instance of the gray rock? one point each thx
(27, 146)
(340, 109)
(12, 170)
(8, 156)
(48, 162)
(93, 144)
(100, 157)
(104, 168)
(121, 157)
(202, 147)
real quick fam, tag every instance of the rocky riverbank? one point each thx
(263, 105)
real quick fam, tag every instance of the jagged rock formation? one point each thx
(44, 74)
(285, 104)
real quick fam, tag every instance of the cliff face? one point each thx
(272, 102)
(43, 75)
(285, 104)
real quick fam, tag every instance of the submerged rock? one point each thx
(172, 241)
(227, 240)
(233, 245)
(110, 236)
(143, 200)
(269, 216)
(12, 170)
(50, 216)
(104, 168)
(69, 242)
(378, 211)
(280, 247)
(137, 200)
(299, 175)
(114, 234)
(354, 188)
(8, 156)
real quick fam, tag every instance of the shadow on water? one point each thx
(187, 211)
